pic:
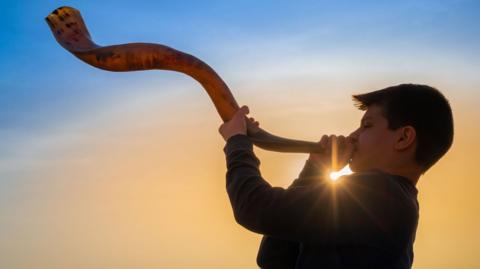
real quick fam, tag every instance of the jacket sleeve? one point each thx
(352, 212)
(279, 253)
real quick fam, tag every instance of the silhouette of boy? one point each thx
(367, 219)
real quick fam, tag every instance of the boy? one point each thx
(364, 220)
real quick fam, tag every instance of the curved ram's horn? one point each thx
(70, 31)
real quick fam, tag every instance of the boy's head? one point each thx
(406, 129)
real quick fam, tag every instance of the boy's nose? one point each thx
(353, 138)
(354, 134)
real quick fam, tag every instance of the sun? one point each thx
(345, 171)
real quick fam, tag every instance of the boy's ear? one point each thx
(405, 137)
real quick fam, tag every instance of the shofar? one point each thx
(70, 31)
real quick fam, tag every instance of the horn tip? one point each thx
(60, 9)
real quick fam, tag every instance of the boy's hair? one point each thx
(420, 106)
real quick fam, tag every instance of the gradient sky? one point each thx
(126, 170)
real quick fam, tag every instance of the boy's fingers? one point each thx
(323, 141)
(332, 142)
(241, 112)
(341, 140)
(331, 138)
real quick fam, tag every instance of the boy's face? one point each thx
(373, 142)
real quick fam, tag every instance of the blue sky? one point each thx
(216, 31)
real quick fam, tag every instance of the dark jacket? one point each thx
(363, 220)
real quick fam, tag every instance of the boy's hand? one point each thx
(237, 124)
(335, 153)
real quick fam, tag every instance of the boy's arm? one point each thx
(279, 253)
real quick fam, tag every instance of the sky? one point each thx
(127, 170)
